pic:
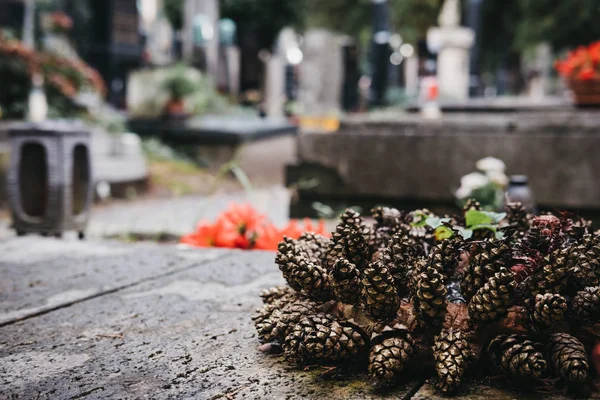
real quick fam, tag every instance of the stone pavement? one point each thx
(100, 320)
(178, 216)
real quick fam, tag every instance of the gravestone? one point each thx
(210, 50)
(321, 74)
(452, 43)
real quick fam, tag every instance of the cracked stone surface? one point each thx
(162, 323)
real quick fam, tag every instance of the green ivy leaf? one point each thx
(443, 232)
(474, 217)
(465, 233)
(420, 220)
(435, 222)
(496, 217)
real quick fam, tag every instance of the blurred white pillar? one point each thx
(29, 24)
(411, 75)
(275, 87)
(209, 8)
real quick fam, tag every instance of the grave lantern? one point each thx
(49, 178)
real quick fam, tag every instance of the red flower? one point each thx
(586, 74)
(268, 237)
(203, 237)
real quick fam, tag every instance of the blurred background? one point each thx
(303, 107)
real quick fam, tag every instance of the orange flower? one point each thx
(203, 237)
(243, 216)
(268, 237)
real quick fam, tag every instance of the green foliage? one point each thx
(174, 12)
(563, 24)
(264, 19)
(179, 84)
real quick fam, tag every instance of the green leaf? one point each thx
(465, 233)
(496, 217)
(474, 217)
(484, 226)
(420, 220)
(434, 222)
(443, 232)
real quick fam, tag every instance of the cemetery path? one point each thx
(111, 320)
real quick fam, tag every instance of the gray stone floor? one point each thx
(178, 216)
(101, 320)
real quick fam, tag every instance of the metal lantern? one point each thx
(50, 178)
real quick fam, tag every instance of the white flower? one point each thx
(491, 164)
(463, 192)
(474, 180)
(498, 178)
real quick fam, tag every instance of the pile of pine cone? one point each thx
(392, 295)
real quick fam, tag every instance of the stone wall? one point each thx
(408, 158)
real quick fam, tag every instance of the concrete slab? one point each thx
(40, 274)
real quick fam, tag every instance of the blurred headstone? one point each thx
(275, 87)
(208, 51)
(411, 75)
(452, 44)
(321, 74)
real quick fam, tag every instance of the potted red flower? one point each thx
(581, 70)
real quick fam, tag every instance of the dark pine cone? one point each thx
(315, 246)
(380, 299)
(471, 204)
(553, 274)
(265, 322)
(585, 306)
(587, 270)
(389, 354)
(567, 357)
(404, 253)
(294, 346)
(452, 357)
(357, 249)
(517, 356)
(517, 216)
(486, 259)
(445, 256)
(268, 296)
(333, 341)
(546, 310)
(430, 296)
(347, 286)
(492, 301)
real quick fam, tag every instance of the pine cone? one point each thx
(269, 296)
(333, 341)
(518, 218)
(492, 301)
(386, 216)
(553, 275)
(430, 296)
(517, 356)
(294, 345)
(315, 246)
(546, 310)
(445, 256)
(452, 357)
(265, 321)
(380, 299)
(404, 253)
(346, 282)
(289, 315)
(334, 253)
(486, 259)
(471, 204)
(357, 249)
(586, 272)
(567, 357)
(389, 354)
(586, 305)
(312, 280)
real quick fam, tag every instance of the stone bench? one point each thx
(109, 320)
(406, 161)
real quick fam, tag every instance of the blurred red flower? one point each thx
(582, 63)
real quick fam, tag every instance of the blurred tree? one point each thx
(564, 24)
(264, 19)
(174, 12)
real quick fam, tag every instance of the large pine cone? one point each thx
(347, 286)
(430, 296)
(586, 305)
(553, 274)
(287, 317)
(380, 299)
(334, 341)
(314, 246)
(517, 356)
(492, 301)
(445, 256)
(546, 310)
(587, 270)
(404, 253)
(389, 354)
(356, 249)
(452, 356)
(387, 223)
(294, 345)
(311, 279)
(567, 357)
(269, 296)
(265, 321)
(517, 216)
(486, 259)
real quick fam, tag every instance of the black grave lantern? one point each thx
(50, 178)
